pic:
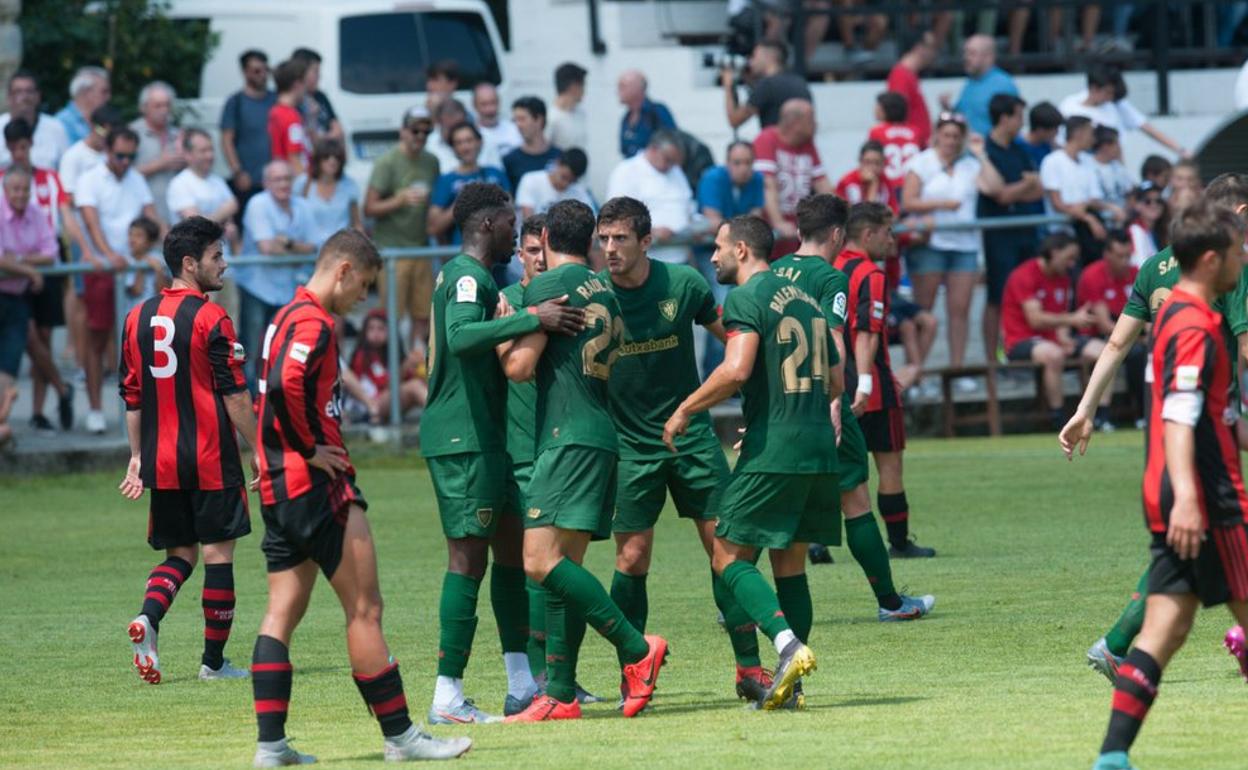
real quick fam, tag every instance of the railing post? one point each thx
(119, 324)
(1161, 55)
(392, 351)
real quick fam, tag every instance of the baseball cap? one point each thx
(417, 114)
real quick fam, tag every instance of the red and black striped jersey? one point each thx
(868, 311)
(1191, 382)
(300, 398)
(179, 359)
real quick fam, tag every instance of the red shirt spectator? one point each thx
(796, 169)
(286, 135)
(853, 189)
(1100, 283)
(1030, 281)
(901, 143)
(920, 52)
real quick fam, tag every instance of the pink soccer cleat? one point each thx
(1236, 645)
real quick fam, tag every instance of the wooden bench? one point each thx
(991, 416)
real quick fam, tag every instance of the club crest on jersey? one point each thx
(485, 516)
(466, 289)
(535, 512)
(667, 309)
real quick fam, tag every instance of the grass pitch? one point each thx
(1036, 559)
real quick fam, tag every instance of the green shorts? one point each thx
(472, 492)
(775, 510)
(851, 455)
(695, 480)
(518, 478)
(573, 487)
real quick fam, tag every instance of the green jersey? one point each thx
(572, 375)
(829, 286)
(467, 408)
(657, 368)
(521, 400)
(788, 426)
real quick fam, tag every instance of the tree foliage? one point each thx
(134, 39)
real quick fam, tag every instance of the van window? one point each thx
(387, 53)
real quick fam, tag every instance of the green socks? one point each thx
(458, 616)
(537, 627)
(756, 597)
(629, 594)
(1128, 626)
(793, 594)
(867, 547)
(586, 597)
(560, 663)
(738, 624)
(511, 607)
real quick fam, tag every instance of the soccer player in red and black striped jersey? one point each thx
(868, 372)
(1194, 500)
(181, 378)
(314, 514)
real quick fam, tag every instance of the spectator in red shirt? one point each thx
(785, 154)
(920, 51)
(867, 182)
(368, 363)
(287, 138)
(1104, 287)
(1036, 320)
(896, 136)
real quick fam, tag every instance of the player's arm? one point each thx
(722, 384)
(520, 357)
(1101, 318)
(130, 385)
(716, 330)
(1078, 430)
(1186, 377)
(869, 321)
(297, 369)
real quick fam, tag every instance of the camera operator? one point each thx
(771, 85)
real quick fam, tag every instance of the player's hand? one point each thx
(503, 309)
(557, 317)
(1076, 432)
(330, 459)
(859, 405)
(676, 425)
(1186, 528)
(254, 484)
(132, 486)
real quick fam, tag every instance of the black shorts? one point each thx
(182, 517)
(900, 310)
(47, 308)
(1217, 575)
(884, 430)
(1005, 250)
(311, 526)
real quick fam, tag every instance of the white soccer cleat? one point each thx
(227, 671)
(418, 744)
(143, 637)
(279, 754)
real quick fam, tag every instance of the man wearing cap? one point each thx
(398, 198)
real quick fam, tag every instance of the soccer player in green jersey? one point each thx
(783, 493)
(463, 439)
(1157, 277)
(571, 497)
(821, 221)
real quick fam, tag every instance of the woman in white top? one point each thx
(942, 186)
(333, 199)
(1149, 215)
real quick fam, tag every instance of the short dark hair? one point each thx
(864, 216)
(754, 233)
(570, 228)
(446, 68)
(351, 244)
(1154, 165)
(781, 50)
(893, 105)
(1054, 243)
(190, 133)
(252, 53)
(1002, 106)
(532, 105)
(327, 147)
(118, 133)
(450, 105)
(288, 74)
(870, 146)
(1201, 227)
(1117, 234)
(475, 201)
(567, 75)
(1103, 135)
(911, 39)
(23, 74)
(306, 55)
(150, 229)
(189, 238)
(668, 137)
(106, 115)
(1045, 117)
(1101, 75)
(460, 126)
(818, 215)
(533, 226)
(576, 161)
(17, 130)
(1076, 123)
(628, 210)
(1229, 190)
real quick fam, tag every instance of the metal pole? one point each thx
(595, 36)
(392, 351)
(1161, 53)
(119, 323)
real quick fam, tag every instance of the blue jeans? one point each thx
(254, 315)
(14, 318)
(713, 354)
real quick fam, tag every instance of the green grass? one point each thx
(1036, 559)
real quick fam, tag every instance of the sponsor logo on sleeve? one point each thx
(238, 353)
(466, 289)
(877, 309)
(839, 305)
(1186, 377)
(300, 352)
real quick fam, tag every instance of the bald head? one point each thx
(279, 180)
(631, 88)
(979, 54)
(797, 121)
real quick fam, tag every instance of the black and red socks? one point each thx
(896, 514)
(383, 694)
(1135, 687)
(271, 675)
(218, 602)
(162, 587)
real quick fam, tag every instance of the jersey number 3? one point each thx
(612, 329)
(790, 330)
(162, 344)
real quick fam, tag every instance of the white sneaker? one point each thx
(279, 754)
(227, 671)
(143, 637)
(418, 744)
(95, 422)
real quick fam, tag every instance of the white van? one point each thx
(374, 57)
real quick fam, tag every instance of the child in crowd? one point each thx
(371, 396)
(144, 239)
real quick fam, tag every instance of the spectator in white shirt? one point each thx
(449, 114)
(567, 125)
(160, 146)
(1106, 162)
(653, 176)
(196, 191)
(496, 129)
(88, 153)
(51, 140)
(539, 190)
(1104, 102)
(1071, 189)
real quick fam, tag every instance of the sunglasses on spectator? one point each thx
(420, 131)
(125, 155)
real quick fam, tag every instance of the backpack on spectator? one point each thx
(698, 157)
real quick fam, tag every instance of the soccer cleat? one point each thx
(466, 713)
(513, 705)
(911, 550)
(1114, 760)
(146, 661)
(227, 671)
(912, 608)
(796, 661)
(1235, 644)
(819, 554)
(418, 744)
(1104, 661)
(642, 677)
(753, 682)
(279, 754)
(544, 709)
(585, 697)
